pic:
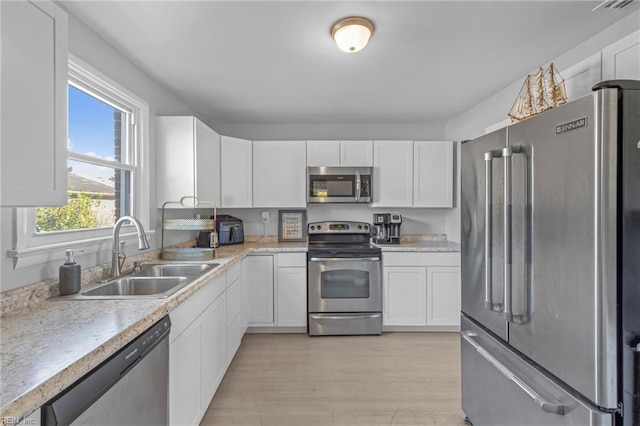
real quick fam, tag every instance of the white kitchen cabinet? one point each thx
(234, 312)
(443, 295)
(323, 153)
(257, 272)
(421, 290)
(580, 77)
(392, 174)
(188, 158)
(236, 170)
(433, 173)
(404, 296)
(356, 153)
(33, 82)
(621, 60)
(340, 153)
(214, 355)
(279, 174)
(292, 290)
(197, 352)
(185, 377)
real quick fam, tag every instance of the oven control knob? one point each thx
(319, 227)
(313, 227)
(366, 227)
(359, 226)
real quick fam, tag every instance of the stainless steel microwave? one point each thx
(339, 184)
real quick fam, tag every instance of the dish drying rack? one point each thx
(188, 253)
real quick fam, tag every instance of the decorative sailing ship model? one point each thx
(541, 91)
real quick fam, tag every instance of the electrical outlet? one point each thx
(266, 216)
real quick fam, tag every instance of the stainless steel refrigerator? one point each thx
(550, 222)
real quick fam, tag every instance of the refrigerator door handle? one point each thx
(488, 230)
(545, 405)
(507, 312)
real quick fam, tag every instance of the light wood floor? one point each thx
(293, 379)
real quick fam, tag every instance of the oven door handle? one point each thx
(344, 317)
(345, 259)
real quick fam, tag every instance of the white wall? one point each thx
(473, 122)
(89, 47)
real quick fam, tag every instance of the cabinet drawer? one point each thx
(233, 273)
(413, 258)
(292, 259)
(188, 311)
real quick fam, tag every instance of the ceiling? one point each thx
(275, 62)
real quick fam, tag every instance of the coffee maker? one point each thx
(386, 228)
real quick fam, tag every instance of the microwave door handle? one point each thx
(357, 186)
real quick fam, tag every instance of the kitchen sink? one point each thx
(175, 270)
(137, 286)
(151, 282)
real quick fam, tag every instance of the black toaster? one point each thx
(230, 230)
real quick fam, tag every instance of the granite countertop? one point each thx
(419, 242)
(432, 246)
(47, 346)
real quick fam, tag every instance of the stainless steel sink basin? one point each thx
(175, 270)
(152, 282)
(137, 286)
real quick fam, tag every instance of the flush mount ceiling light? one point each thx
(352, 34)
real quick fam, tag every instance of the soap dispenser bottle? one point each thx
(69, 274)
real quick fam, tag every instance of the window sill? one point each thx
(32, 256)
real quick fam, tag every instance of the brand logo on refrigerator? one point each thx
(572, 125)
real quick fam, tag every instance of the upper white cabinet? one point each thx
(279, 174)
(433, 174)
(356, 153)
(392, 174)
(340, 153)
(33, 156)
(413, 174)
(188, 160)
(236, 168)
(621, 60)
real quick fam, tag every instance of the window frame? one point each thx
(31, 248)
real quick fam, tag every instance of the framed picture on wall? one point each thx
(292, 225)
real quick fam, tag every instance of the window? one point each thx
(100, 164)
(107, 171)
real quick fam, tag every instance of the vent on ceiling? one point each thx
(613, 4)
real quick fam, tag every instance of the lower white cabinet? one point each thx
(197, 352)
(404, 295)
(275, 290)
(257, 271)
(214, 356)
(292, 290)
(233, 318)
(185, 377)
(443, 295)
(421, 289)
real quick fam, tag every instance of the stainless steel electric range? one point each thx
(344, 280)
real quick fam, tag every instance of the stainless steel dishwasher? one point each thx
(129, 388)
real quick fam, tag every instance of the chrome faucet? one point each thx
(143, 244)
